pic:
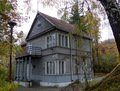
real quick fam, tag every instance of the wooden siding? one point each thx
(40, 41)
(65, 51)
(40, 25)
(36, 66)
(39, 72)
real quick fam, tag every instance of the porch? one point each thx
(24, 62)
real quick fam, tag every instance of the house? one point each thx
(50, 54)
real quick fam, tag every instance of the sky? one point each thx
(105, 29)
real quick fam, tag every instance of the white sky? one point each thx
(105, 29)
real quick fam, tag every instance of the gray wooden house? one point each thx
(50, 55)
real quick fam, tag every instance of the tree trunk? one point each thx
(113, 12)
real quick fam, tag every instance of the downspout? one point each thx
(71, 58)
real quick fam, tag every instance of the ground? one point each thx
(38, 89)
(110, 83)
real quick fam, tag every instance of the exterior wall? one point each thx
(85, 46)
(39, 26)
(40, 41)
(37, 66)
(65, 51)
(39, 72)
(23, 69)
(34, 68)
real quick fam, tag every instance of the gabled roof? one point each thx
(60, 24)
(56, 23)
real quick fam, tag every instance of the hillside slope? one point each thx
(110, 83)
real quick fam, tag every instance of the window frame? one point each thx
(55, 67)
(51, 40)
(50, 68)
(63, 40)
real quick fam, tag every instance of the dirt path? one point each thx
(38, 89)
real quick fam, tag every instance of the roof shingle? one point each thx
(60, 24)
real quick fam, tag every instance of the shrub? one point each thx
(4, 85)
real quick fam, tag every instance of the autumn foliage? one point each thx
(108, 56)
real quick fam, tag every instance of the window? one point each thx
(59, 40)
(50, 68)
(66, 41)
(61, 67)
(53, 67)
(51, 41)
(63, 40)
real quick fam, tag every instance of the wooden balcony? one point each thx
(29, 50)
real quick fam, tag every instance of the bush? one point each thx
(9, 87)
(4, 85)
(105, 65)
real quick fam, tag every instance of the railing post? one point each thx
(32, 50)
(30, 70)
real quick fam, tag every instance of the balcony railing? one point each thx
(30, 50)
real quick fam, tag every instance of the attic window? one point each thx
(39, 24)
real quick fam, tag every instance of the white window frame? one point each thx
(50, 68)
(62, 67)
(61, 38)
(57, 67)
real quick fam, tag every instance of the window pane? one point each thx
(47, 68)
(51, 40)
(66, 41)
(59, 40)
(62, 67)
(62, 40)
(53, 68)
(48, 39)
(59, 67)
(50, 68)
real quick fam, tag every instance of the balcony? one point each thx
(30, 50)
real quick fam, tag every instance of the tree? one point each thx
(113, 12)
(5, 8)
(85, 23)
(75, 13)
(7, 13)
